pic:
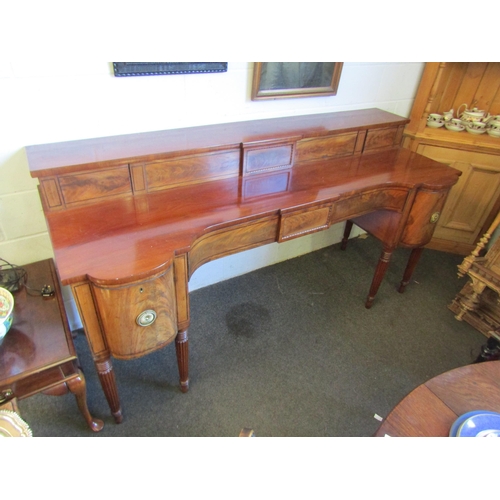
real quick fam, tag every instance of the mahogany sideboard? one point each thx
(132, 217)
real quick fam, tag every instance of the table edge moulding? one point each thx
(132, 217)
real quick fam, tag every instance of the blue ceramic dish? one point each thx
(455, 430)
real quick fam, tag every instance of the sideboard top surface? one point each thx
(146, 231)
(46, 159)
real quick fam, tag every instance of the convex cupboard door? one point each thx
(138, 318)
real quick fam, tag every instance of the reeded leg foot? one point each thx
(108, 383)
(182, 351)
(383, 263)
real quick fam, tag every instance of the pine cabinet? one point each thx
(474, 201)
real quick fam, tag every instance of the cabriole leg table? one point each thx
(37, 354)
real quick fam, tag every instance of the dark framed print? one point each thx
(167, 68)
(273, 80)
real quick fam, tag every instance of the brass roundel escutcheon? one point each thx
(146, 318)
(435, 217)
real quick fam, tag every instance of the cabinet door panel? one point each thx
(120, 308)
(472, 198)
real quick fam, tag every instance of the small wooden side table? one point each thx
(431, 409)
(37, 354)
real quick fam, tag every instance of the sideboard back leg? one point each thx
(182, 351)
(383, 263)
(347, 232)
(410, 267)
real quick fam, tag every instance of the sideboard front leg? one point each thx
(410, 267)
(383, 263)
(182, 351)
(108, 383)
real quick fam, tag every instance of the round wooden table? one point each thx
(431, 408)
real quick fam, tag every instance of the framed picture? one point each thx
(167, 68)
(272, 80)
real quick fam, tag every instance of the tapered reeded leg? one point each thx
(78, 387)
(347, 233)
(182, 351)
(410, 267)
(383, 263)
(108, 383)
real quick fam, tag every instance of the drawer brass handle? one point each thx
(435, 217)
(5, 396)
(146, 318)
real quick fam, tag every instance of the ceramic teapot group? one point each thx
(476, 121)
(472, 115)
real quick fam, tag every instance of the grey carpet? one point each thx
(288, 350)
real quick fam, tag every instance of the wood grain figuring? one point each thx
(322, 148)
(422, 406)
(84, 300)
(181, 290)
(120, 306)
(426, 205)
(300, 222)
(228, 241)
(267, 158)
(191, 170)
(91, 186)
(75, 156)
(376, 139)
(360, 203)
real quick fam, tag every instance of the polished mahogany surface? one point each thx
(431, 409)
(131, 237)
(47, 158)
(39, 336)
(37, 354)
(132, 217)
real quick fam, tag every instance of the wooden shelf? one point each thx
(459, 140)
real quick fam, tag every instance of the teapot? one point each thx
(472, 115)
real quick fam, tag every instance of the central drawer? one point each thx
(299, 222)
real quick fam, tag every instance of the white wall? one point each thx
(42, 102)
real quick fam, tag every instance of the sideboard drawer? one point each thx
(138, 318)
(368, 201)
(299, 222)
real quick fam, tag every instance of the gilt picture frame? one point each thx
(273, 80)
